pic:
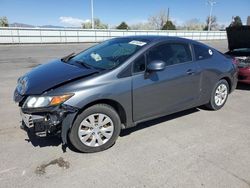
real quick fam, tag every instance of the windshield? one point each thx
(109, 54)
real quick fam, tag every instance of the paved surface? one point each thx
(195, 148)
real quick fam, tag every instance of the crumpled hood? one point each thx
(238, 37)
(47, 76)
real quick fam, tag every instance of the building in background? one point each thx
(248, 20)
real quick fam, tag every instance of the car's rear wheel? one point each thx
(219, 95)
(95, 129)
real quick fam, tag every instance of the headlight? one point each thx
(44, 101)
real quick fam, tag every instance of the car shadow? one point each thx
(154, 122)
(43, 142)
(243, 86)
(49, 141)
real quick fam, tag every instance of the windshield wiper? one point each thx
(85, 64)
(89, 66)
(68, 57)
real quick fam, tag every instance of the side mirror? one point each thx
(156, 65)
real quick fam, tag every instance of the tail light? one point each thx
(235, 61)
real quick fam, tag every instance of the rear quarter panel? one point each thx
(212, 70)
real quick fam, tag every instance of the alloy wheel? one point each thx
(221, 94)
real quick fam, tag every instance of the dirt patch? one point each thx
(60, 162)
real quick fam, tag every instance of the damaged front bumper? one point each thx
(48, 121)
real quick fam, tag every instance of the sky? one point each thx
(113, 12)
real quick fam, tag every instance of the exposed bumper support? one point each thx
(49, 121)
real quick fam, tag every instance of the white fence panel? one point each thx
(13, 35)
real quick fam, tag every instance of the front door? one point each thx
(167, 91)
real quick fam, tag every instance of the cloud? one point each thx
(72, 21)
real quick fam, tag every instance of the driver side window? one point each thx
(170, 53)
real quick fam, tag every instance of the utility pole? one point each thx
(211, 3)
(168, 15)
(92, 15)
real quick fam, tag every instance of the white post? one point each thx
(210, 18)
(92, 15)
(211, 3)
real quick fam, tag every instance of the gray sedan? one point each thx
(87, 98)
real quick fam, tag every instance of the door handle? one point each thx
(190, 72)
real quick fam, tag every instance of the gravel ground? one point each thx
(194, 148)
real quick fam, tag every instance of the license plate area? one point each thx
(39, 127)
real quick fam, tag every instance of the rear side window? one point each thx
(171, 54)
(202, 52)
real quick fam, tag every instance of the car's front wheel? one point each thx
(219, 95)
(95, 129)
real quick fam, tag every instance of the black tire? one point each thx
(98, 108)
(212, 104)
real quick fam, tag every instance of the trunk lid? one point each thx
(238, 37)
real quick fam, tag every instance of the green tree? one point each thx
(4, 22)
(122, 25)
(236, 22)
(169, 26)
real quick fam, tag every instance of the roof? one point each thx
(152, 38)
